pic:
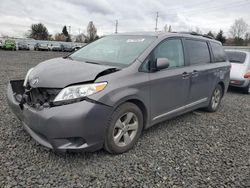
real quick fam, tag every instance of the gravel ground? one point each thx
(197, 149)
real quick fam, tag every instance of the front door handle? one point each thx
(185, 75)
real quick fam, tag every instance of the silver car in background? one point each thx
(240, 70)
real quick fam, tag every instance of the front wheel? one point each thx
(215, 99)
(124, 128)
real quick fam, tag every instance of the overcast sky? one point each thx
(132, 15)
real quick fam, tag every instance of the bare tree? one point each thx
(80, 38)
(91, 32)
(60, 37)
(167, 28)
(239, 28)
(198, 30)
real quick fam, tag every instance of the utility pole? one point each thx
(116, 25)
(156, 20)
(69, 29)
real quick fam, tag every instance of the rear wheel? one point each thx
(246, 90)
(215, 99)
(124, 128)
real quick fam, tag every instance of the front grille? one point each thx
(34, 97)
(41, 96)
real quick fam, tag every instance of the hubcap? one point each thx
(216, 98)
(125, 129)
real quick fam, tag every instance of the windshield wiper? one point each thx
(92, 62)
(68, 57)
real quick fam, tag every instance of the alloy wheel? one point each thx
(125, 129)
(216, 98)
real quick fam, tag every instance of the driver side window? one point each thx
(172, 50)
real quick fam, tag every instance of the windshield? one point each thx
(236, 57)
(114, 50)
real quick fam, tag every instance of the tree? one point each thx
(91, 32)
(66, 34)
(210, 34)
(198, 30)
(39, 32)
(65, 31)
(239, 28)
(167, 28)
(60, 37)
(220, 37)
(80, 38)
(247, 38)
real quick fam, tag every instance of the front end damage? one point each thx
(59, 126)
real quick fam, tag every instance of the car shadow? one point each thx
(235, 90)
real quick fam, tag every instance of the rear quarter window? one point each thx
(218, 52)
(198, 52)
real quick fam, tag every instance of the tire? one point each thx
(215, 100)
(124, 128)
(246, 90)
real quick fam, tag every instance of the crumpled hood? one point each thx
(60, 72)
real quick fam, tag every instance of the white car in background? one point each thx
(240, 70)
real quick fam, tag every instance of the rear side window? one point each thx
(198, 52)
(218, 52)
(236, 57)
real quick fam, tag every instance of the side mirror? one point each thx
(162, 63)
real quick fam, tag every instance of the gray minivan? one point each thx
(106, 93)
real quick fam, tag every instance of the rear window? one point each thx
(198, 52)
(218, 52)
(236, 57)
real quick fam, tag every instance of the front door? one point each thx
(169, 87)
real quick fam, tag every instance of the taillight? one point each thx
(247, 75)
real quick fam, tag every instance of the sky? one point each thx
(16, 16)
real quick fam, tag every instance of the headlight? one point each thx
(79, 91)
(27, 77)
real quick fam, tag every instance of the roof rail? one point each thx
(196, 34)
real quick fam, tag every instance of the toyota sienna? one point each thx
(105, 94)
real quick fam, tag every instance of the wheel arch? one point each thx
(140, 104)
(222, 86)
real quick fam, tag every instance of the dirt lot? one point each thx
(197, 149)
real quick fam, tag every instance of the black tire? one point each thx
(122, 111)
(246, 90)
(215, 99)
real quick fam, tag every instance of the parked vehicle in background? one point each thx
(240, 70)
(41, 47)
(55, 47)
(106, 93)
(23, 46)
(1, 44)
(78, 46)
(67, 47)
(9, 45)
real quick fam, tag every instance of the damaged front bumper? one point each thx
(75, 126)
